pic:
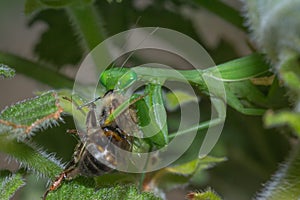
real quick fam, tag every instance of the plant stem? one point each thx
(36, 71)
(87, 23)
(285, 183)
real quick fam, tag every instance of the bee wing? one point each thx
(91, 120)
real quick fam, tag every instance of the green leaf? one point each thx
(37, 5)
(84, 189)
(176, 98)
(58, 45)
(107, 180)
(209, 194)
(32, 6)
(169, 18)
(198, 164)
(280, 118)
(118, 1)
(178, 176)
(10, 184)
(57, 3)
(6, 71)
(31, 115)
(31, 157)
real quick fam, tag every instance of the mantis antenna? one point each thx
(139, 44)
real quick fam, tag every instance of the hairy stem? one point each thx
(285, 183)
(36, 71)
(87, 23)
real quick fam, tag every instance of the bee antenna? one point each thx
(88, 103)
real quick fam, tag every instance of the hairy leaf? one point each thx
(285, 183)
(31, 157)
(10, 184)
(37, 5)
(6, 71)
(58, 45)
(269, 30)
(83, 189)
(283, 118)
(129, 15)
(209, 194)
(30, 115)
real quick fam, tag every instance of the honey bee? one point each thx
(101, 134)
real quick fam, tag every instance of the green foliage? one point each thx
(208, 194)
(191, 167)
(28, 116)
(170, 18)
(179, 175)
(84, 189)
(37, 71)
(36, 5)
(10, 184)
(283, 118)
(6, 72)
(176, 98)
(269, 30)
(48, 48)
(30, 157)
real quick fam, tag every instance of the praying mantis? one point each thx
(238, 77)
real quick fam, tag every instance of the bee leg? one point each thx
(72, 131)
(55, 184)
(68, 174)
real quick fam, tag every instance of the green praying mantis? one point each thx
(241, 92)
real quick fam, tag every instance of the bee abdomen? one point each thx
(90, 166)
